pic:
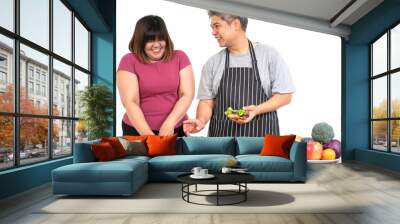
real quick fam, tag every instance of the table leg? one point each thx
(245, 191)
(217, 194)
(196, 188)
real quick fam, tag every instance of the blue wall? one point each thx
(99, 16)
(103, 65)
(24, 178)
(355, 80)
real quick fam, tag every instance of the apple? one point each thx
(314, 150)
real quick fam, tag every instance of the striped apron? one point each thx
(239, 87)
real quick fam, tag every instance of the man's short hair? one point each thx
(229, 18)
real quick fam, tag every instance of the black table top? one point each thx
(220, 178)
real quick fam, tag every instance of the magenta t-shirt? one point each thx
(158, 86)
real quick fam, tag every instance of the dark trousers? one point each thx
(129, 130)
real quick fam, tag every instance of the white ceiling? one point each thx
(326, 16)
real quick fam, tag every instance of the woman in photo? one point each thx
(155, 82)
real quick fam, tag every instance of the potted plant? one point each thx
(96, 102)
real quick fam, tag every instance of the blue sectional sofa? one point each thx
(125, 176)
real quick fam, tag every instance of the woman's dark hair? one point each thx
(150, 28)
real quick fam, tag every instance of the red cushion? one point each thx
(161, 145)
(103, 151)
(277, 145)
(116, 145)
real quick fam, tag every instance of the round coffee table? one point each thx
(238, 179)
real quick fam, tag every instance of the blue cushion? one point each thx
(249, 145)
(133, 157)
(257, 163)
(184, 163)
(83, 153)
(206, 145)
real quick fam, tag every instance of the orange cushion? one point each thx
(277, 145)
(116, 145)
(134, 137)
(161, 145)
(103, 151)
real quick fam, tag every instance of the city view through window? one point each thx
(385, 87)
(39, 114)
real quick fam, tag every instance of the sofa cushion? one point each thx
(249, 145)
(103, 152)
(111, 171)
(206, 145)
(161, 145)
(116, 145)
(83, 153)
(133, 147)
(185, 163)
(277, 145)
(257, 163)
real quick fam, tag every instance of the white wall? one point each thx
(313, 58)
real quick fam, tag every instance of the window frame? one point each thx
(388, 74)
(16, 114)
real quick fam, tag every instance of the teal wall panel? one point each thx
(103, 66)
(380, 159)
(356, 82)
(24, 178)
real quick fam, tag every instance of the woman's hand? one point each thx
(167, 129)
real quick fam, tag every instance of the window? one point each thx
(7, 14)
(81, 45)
(55, 127)
(37, 75)
(43, 77)
(34, 21)
(44, 91)
(7, 74)
(30, 87)
(62, 29)
(38, 89)
(30, 72)
(3, 71)
(385, 94)
(3, 61)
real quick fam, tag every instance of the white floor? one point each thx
(378, 189)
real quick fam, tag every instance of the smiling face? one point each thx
(155, 49)
(150, 41)
(223, 31)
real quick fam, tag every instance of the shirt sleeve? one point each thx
(127, 63)
(281, 80)
(205, 86)
(183, 60)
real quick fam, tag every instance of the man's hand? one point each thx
(252, 111)
(192, 126)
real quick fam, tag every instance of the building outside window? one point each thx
(34, 75)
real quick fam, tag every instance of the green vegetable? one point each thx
(241, 112)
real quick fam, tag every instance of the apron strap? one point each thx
(253, 60)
